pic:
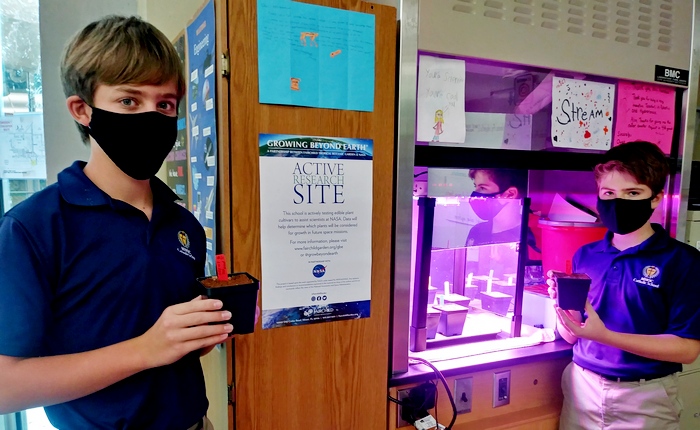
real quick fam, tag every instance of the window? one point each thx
(22, 157)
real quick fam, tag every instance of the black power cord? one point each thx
(419, 400)
(397, 401)
(439, 375)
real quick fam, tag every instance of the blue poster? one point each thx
(315, 229)
(315, 56)
(201, 109)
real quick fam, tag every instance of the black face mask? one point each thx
(624, 216)
(137, 142)
(485, 206)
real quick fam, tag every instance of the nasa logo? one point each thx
(319, 270)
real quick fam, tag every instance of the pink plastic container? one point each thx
(561, 240)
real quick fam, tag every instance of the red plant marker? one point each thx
(221, 272)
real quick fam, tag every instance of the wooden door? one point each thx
(321, 376)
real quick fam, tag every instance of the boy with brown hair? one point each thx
(642, 316)
(100, 316)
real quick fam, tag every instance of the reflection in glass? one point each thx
(472, 289)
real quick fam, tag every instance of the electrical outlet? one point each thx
(501, 388)
(463, 395)
(400, 422)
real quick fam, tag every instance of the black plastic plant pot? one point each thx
(431, 323)
(496, 302)
(239, 294)
(572, 290)
(471, 291)
(457, 299)
(503, 287)
(432, 291)
(452, 319)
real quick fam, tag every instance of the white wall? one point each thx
(59, 20)
(170, 17)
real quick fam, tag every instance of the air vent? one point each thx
(643, 23)
(493, 4)
(463, 8)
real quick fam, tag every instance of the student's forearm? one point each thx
(663, 347)
(43, 381)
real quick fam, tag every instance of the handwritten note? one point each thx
(498, 130)
(440, 109)
(315, 56)
(582, 114)
(645, 112)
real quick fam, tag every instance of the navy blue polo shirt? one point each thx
(648, 289)
(80, 271)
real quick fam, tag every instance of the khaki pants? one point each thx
(592, 402)
(207, 425)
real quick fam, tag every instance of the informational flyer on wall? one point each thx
(176, 164)
(22, 151)
(315, 229)
(201, 103)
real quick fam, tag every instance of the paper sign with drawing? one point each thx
(582, 114)
(440, 108)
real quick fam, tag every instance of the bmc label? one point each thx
(669, 75)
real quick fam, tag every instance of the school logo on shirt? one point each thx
(183, 238)
(649, 273)
(184, 244)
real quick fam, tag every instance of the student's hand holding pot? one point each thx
(184, 328)
(593, 328)
(574, 317)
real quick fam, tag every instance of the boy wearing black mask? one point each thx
(642, 316)
(100, 317)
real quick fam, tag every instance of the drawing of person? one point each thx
(439, 121)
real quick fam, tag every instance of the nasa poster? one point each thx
(315, 229)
